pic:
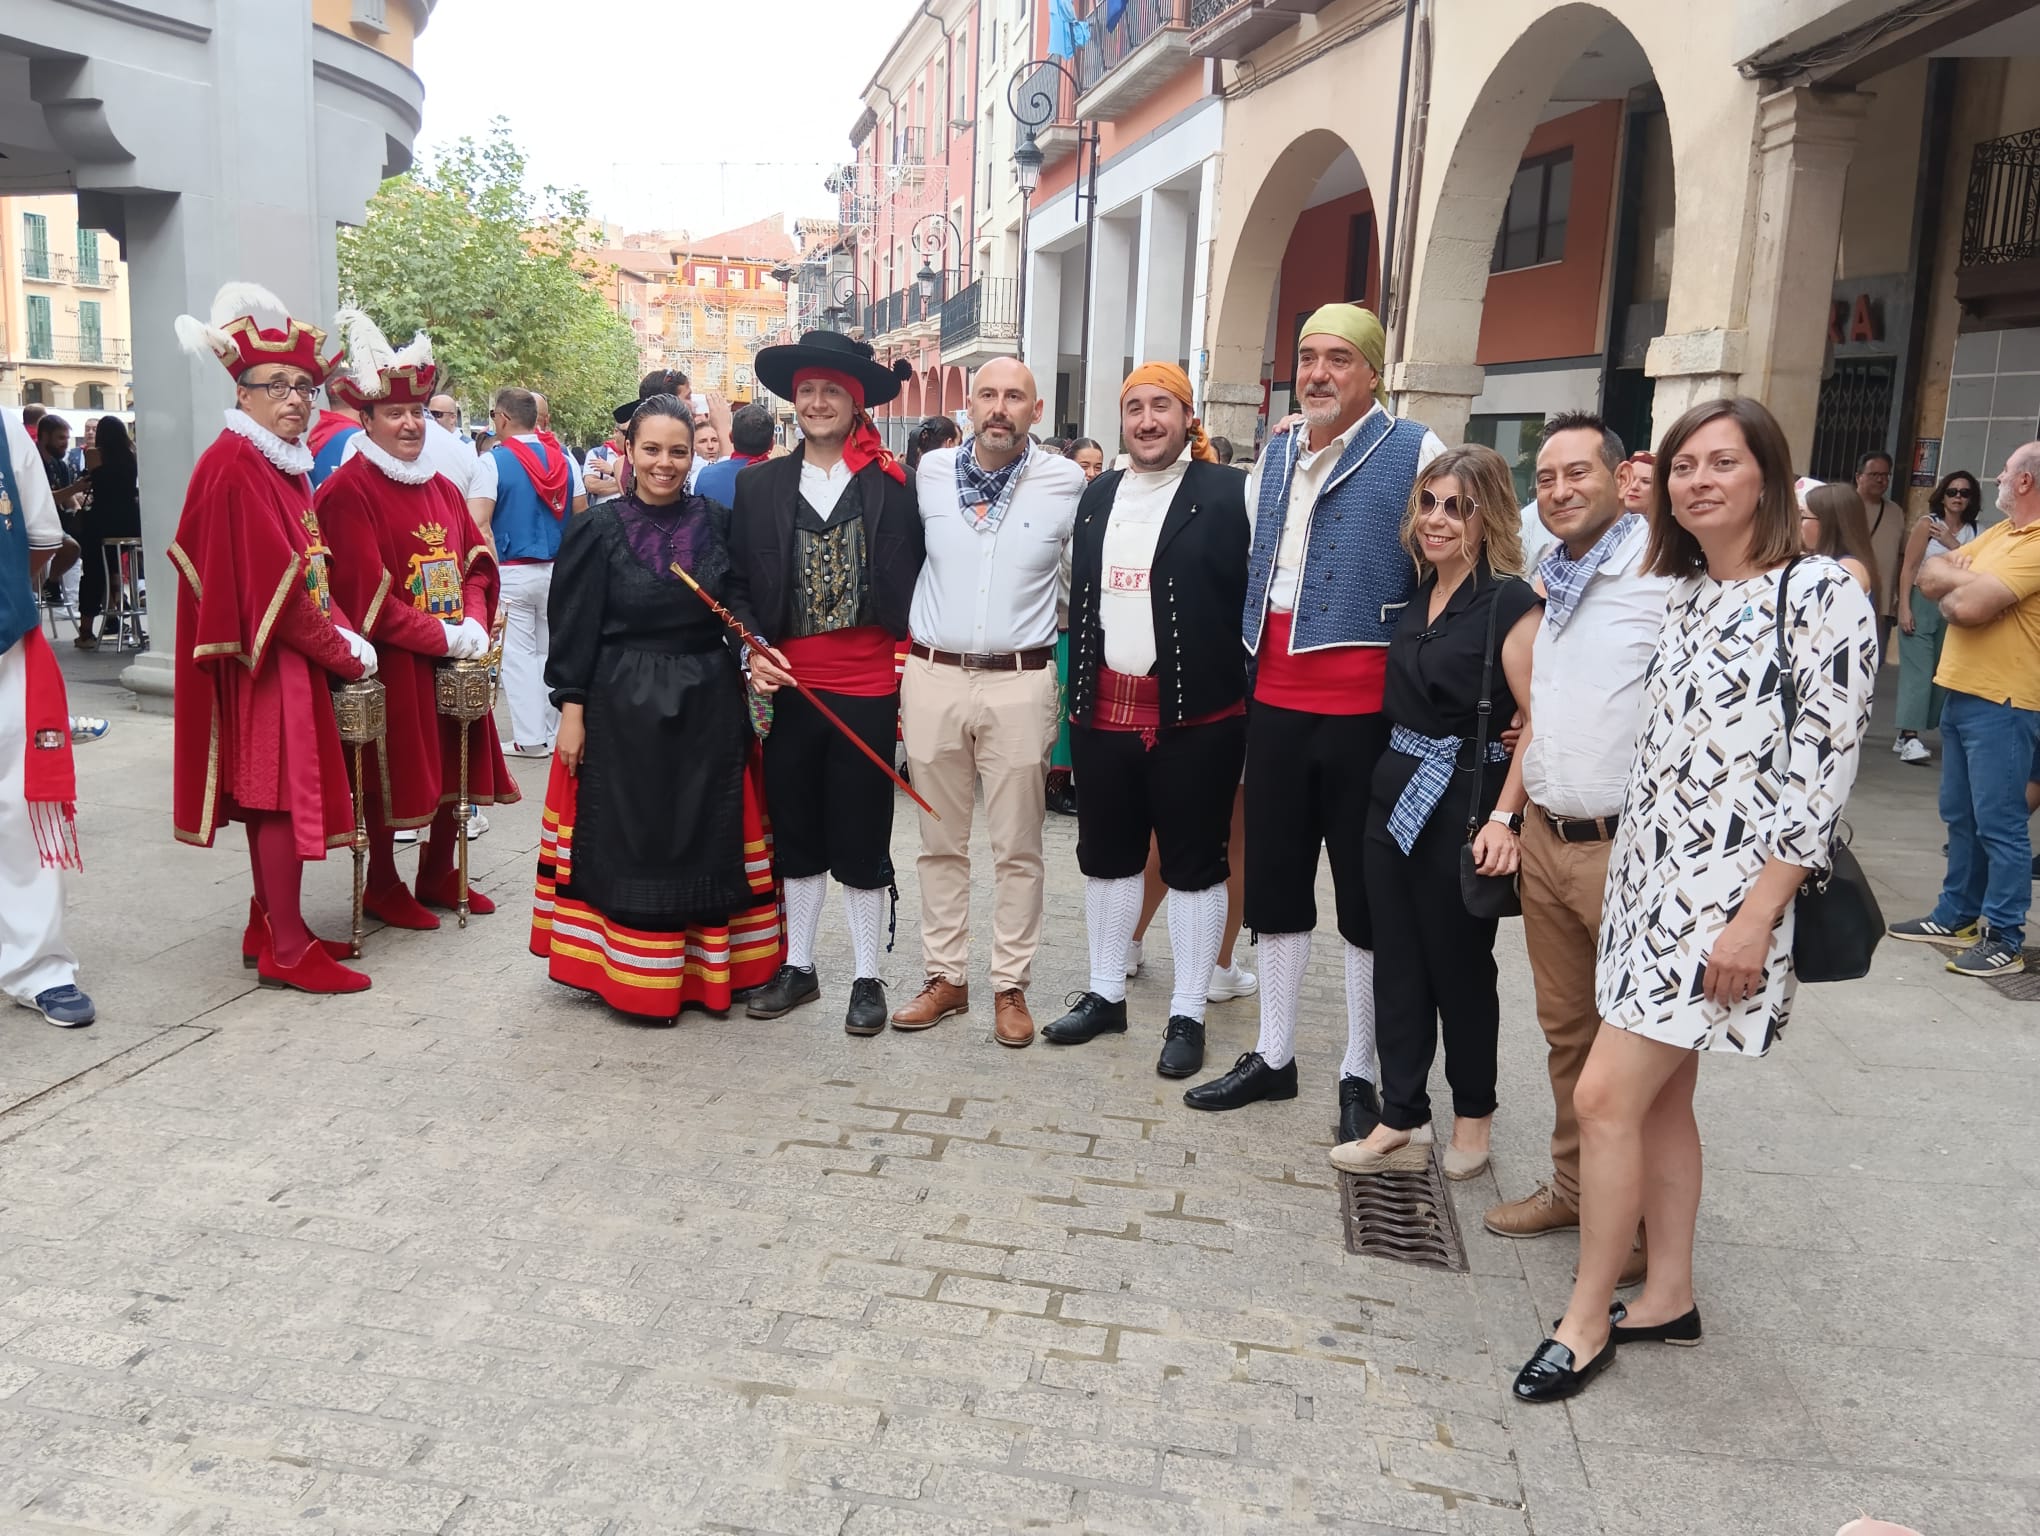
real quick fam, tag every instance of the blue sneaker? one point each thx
(65, 1007)
(86, 728)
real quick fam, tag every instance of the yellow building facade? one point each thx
(64, 329)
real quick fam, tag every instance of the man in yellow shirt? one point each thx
(1989, 591)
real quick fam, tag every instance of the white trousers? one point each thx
(33, 956)
(527, 637)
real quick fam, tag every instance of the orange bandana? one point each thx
(1173, 379)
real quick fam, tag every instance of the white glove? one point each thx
(477, 639)
(359, 649)
(451, 637)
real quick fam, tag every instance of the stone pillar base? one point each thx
(1440, 395)
(1689, 368)
(151, 678)
(1234, 411)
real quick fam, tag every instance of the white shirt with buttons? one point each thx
(998, 590)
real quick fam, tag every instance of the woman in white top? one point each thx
(1724, 815)
(1949, 524)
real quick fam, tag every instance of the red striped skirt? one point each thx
(655, 975)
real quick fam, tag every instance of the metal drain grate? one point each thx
(1403, 1216)
(2019, 986)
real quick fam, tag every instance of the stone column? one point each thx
(1041, 326)
(1440, 395)
(1160, 300)
(1233, 410)
(1805, 140)
(1205, 232)
(1111, 331)
(1692, 367)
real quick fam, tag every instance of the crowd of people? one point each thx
(1640, 733)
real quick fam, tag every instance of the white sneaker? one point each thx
(1898, 744)
(1133, 957)
(1229, 982)
(1913, 750)
(404, 836)
(477, 822)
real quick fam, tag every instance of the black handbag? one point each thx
(1836, 921)
(1485, 896)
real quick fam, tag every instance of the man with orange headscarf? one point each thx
(1158, 686)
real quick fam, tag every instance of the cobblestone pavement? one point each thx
(467, 1254)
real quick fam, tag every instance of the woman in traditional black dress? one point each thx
(655, 886)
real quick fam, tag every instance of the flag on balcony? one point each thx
(1066, 34)
(1114, 11)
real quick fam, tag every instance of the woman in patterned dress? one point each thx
(1723, 818)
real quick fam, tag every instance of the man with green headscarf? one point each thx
(1327, 580)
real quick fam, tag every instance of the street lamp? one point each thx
(1034, 104)
(927, 240)
(842, 309)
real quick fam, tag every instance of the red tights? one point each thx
(435, 859)
(279, 875)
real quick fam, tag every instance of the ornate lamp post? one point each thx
(927, 242)
(840, 309)
(1033, 101)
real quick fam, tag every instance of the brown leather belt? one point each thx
(1584, 829)
(999, 661)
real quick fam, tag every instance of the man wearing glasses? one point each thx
(260, 639)
(1886, 520)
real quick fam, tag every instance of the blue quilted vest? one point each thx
(1356, 576)
(523, 525)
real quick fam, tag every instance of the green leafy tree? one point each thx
(502, 279)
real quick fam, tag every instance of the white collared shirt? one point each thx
(1126, 609)
(1586, 686)
(823, 488)
(1313, 469)
(994, 591)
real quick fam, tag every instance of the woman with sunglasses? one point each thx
(1470, 625)
(1949, 524)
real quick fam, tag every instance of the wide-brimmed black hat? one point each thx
(776, 366)
(660, 381)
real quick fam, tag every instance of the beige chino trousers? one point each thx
(963, 728)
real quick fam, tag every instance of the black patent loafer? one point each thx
(1683, 1329)
(1182, 1048)
(1089, 1017)
(787, 990)
(1552, 1374)
(866, 1014)
(1359, 1110)
(1250, 1080)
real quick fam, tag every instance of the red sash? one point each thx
(550, 480)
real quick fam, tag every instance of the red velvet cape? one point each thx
(257, 652)
(409, 558)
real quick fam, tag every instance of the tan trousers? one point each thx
(1561, 885)
(961, 728)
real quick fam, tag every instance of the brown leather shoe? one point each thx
(938, 998)
(1012, 1024)
(1537, 1214)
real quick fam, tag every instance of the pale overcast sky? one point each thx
(673, 114)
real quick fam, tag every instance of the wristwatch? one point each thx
(1513, 820)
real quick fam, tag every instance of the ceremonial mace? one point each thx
(359, 710)
(465, 691)
(806, 692)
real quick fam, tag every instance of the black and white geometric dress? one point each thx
(1707, 804)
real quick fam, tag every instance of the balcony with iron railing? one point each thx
(1119, 66)
(1998, 275)
(1232, 29)
(78, 351)
(982, 318)
(43, 267)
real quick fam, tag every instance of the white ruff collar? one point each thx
(291, 458)
(417, 472)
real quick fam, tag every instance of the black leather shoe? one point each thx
(1684, 1329)
(1182, 1048)
(1552, 1375)
(1359, 1110)
(867, 1012)
(786, 991)
(1062, 795)
(1089, 1017)
(1250, 1080)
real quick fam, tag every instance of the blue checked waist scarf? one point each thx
(983, 494)
(1565, 579)
(1436, 757)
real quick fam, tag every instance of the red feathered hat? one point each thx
(375, 375)
(238, 339)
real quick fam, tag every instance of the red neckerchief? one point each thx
(865, 446)
(50, 777)
(550, 480)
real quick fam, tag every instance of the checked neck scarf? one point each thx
(1565, 579)
(986, 494)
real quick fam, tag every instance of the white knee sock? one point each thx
(865, 911)
(804, 901)
(1359, 1060)
(1196, 929)
(1111, 913)
(1285, 957)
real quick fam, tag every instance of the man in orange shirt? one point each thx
(1989, 591)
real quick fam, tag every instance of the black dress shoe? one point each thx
(867, 1012)
(1683, 1329)
(1062, 796)
(787, 990)
(1250, 1080)
(1089, 1017)
(1182, 1048)
(1552, 1374)
(1359, 1110)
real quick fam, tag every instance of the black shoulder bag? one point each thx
(1485, 896)
(1836, 921)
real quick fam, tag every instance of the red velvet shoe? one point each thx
(399, 908)
(316, 972)
(257, 931)
(444, 893)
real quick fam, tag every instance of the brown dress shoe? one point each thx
(938, 998)
(1537, 1214)
(1012, 1024)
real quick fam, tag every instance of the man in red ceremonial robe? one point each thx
(260, 639)
(409, 558)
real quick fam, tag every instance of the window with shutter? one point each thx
(372, 14)
(41, 345)
(88, 255)
(35, 246)
(88, 331)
